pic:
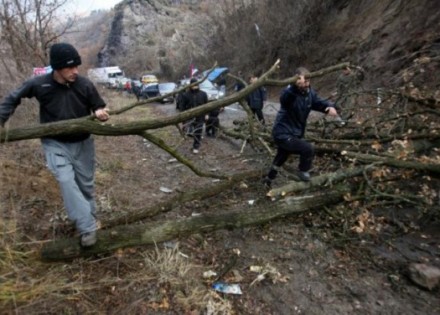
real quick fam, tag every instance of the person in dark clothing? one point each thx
(239, 85)
(63, 95)
(212, 123)
(256, 99)
(192, 98)
(290, 124)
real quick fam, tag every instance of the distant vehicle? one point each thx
(41, 71)
(218, 75)
(149, 78)
(149, 90)
(108, 76)
(166, 88)
(213, 92)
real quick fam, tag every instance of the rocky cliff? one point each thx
(154, 36)
(165, 36)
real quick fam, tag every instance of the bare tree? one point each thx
(29, 27)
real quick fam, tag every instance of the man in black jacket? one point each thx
(290, 124)
(256, 100)
(192, 98)
(63, 95)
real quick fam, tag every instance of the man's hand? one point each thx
(331, 111)
(102, 114)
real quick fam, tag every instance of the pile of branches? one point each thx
(375, 158)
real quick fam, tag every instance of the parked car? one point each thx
(166, 88)
(149, 90)
(149, 78)
(213, 92)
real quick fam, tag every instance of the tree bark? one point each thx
(318, 181)
(155, 232)
(88, 125)
(161, 207)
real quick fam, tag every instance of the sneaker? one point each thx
(195, 151)
(304, 176)
(88, 239)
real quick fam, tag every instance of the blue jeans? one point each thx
(73, 165)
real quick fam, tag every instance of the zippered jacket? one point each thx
(57, 101)
(291, 120)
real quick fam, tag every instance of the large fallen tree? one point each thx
(155, 232)
(359, 157)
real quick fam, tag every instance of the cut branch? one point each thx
(155, 232)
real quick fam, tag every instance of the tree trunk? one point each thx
(155, 232)
(161, 207)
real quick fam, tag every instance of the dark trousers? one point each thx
(259, 114)
(212, 125)
(197, 126)
(292, 146)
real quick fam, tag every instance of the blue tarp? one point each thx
(216, 73)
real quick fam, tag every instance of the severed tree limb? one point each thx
(155, 232)
(109, 128)
(370, 158)
(159, 98)
(314, 74)
(328, 179)
(162, 207)
(266, 146)
(161, 144)
(250, 117)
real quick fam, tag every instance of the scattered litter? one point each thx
(196, 214)
(215, 180)
(172, 160)
(227, 288)
(183, 255)
(243, 185)
(165, 190)
(209, 274)
(251, 202)
(256, 268)
(267, 272)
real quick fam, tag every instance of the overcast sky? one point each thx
(85, 6)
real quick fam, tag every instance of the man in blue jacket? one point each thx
(63, 95)
(290, 124)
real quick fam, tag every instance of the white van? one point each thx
(108, 76)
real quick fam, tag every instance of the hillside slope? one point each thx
(164, 37)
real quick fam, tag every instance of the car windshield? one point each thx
(150, 87)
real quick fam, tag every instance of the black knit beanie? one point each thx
(63, 55)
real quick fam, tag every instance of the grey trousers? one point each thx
(73, 165)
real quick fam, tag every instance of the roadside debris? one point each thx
(165, 190)
(267, 272)
(227, 288)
